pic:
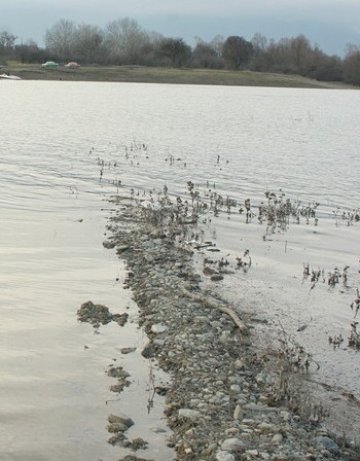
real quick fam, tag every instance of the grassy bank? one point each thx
(165, 75)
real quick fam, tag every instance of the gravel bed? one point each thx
(226, 401)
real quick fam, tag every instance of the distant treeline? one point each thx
(124, 42)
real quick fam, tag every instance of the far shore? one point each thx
(142, 74)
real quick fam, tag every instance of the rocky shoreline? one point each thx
(226, 400)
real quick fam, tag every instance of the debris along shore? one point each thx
(226, 401)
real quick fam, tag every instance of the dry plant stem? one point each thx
(207, 302)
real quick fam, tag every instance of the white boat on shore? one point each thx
(10, 77)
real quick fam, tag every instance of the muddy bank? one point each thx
(227, 400)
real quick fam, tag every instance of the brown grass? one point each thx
(166, 75)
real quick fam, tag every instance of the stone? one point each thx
(239, 364)
(232, 431)
(158, 328)
(159, 342)
(158, 430)
(285, 415)
(117, 372)
(235, 388)
(216, 277)
(233, 445)
(237, 412)
(117, 427)
(188, 413)
(224, 456)
(121, 419)
(127, 350)
(109, 244)
(278, 438)
(148, 352)
(327, 443)
(266, 427)
(120, 319)
(260, 408)
(95, 314)
(121, 249)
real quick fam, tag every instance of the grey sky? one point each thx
(329, 23)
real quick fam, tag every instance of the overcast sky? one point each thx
(329, 23)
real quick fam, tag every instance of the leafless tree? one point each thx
(124, 41)
(352, 64)
(60, 39)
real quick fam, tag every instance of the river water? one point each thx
(66, 147)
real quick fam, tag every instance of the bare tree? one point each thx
(176, 50)
(352, 64)
(206, 55)
(60, 39)
(124, 41)
(301, 52)
(29, 52)
(217, 44)
(7, 42)
(259, 43)
(237, 51)
(87, 43)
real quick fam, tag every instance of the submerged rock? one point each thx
(121, 419)
(149, 351)
(117, 427)
(117, 372)
(133, 458)
(216, 278)
(121, 319)
(98, 314)
(127, 350)
(109, 244)
(95, 314)
(138, 444)
(122, 376)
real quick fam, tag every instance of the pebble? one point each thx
(266, 427)
(159, 342)
(117, 427)
(158, 430)
(239, 364)
(188, 413)
(158, 328)
(127, 350)
(224, 456)
(277, 439)
(327, 443)
(235, 388)
(121, 419)
(237, 412)
(260, 408)
(233, 445)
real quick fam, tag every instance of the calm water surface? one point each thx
(54, 138)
